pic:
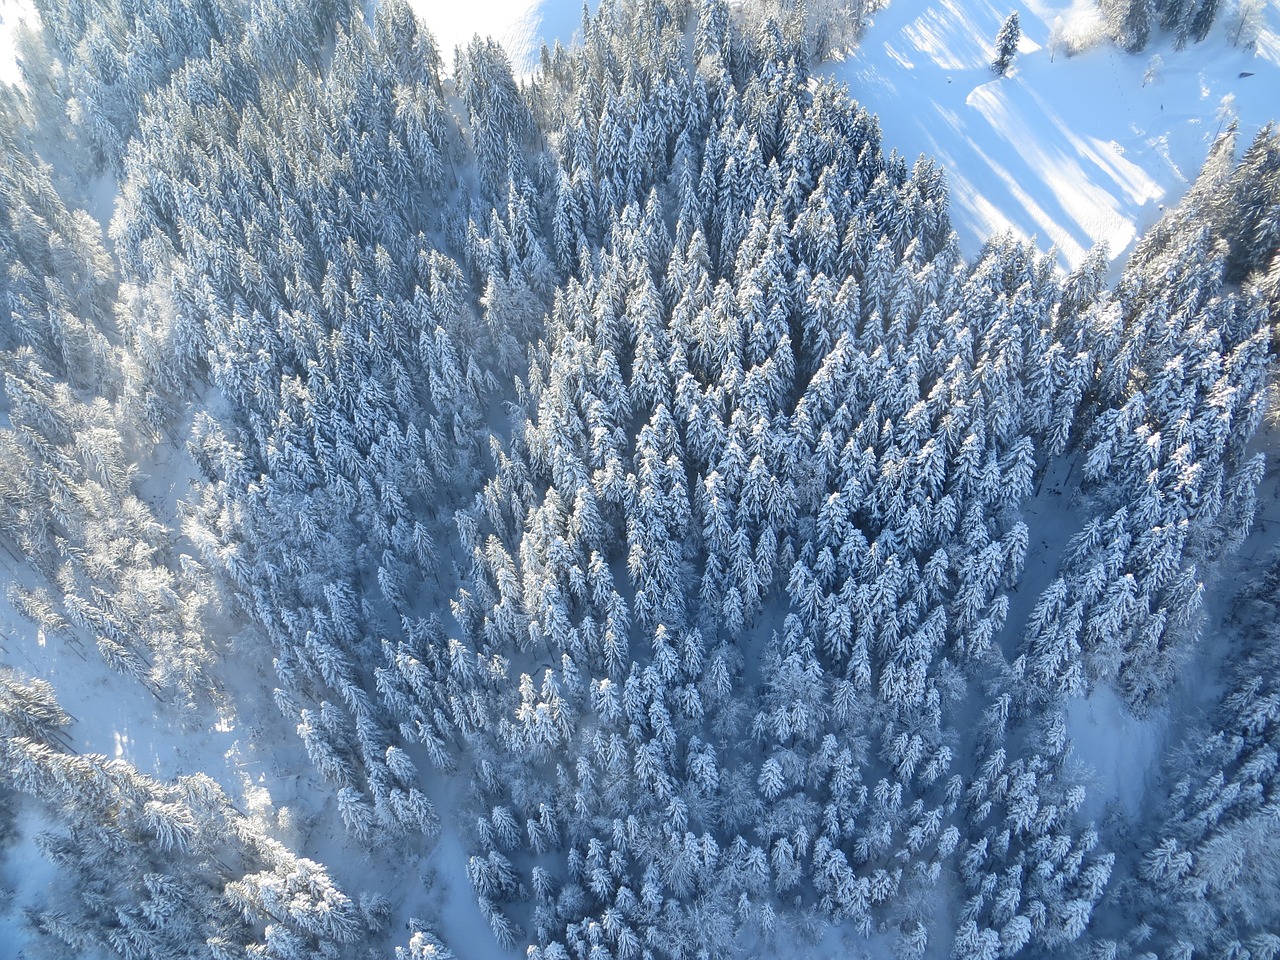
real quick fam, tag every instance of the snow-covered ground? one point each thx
(1120, 752)
(12, 12)
(520, 26)
(1070, 150)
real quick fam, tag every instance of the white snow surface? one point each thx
(521, 26)
(1070, 150)
(12, 12)
(1121, 751)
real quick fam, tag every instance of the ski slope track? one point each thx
(12, 13)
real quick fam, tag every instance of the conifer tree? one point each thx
(1006, 44)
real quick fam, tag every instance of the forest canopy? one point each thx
(621, 470)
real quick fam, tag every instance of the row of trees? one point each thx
(709, 409)
(350, 351)
(797, 396)
(1133, 22)
(1168, 469)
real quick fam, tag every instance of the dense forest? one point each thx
(629, 451)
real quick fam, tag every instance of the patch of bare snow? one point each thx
(1120, 751)
(521, 26)
(1071, 150)
(12, 13)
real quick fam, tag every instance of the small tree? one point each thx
(1154, 67)
(1245, 23)
(1006, 44)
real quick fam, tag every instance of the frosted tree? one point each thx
(145, 868)
(1006, 44)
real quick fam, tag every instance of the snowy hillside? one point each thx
(1072, 150)
(521, 26)
(12, 12)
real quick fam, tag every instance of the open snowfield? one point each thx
(1073, 151)
(12, 12)
(521, 26)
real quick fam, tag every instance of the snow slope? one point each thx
(520, 26)
(1120, 752)
(12, 12)
(1071, 150)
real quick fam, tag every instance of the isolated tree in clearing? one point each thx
(1006, 44)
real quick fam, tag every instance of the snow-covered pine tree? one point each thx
(1006, 44)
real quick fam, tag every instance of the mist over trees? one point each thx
(629, 449)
